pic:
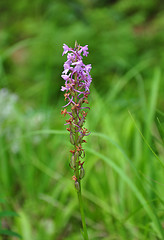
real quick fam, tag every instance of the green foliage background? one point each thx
(123, 186)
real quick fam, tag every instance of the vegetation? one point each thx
(123, 187)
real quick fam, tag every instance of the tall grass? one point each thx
(124, 167)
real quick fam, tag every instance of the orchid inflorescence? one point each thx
(77, 82)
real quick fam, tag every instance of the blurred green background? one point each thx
(124, 182)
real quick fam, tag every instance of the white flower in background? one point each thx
(7, 104)
(14, 124)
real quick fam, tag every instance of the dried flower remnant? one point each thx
(77, 82)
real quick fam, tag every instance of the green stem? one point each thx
(85, 233)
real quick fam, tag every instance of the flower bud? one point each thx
(76, 44)
(77, 185)
(82, 172)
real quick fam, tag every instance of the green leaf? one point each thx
(8, 214)
(148, 208)
(9, 233)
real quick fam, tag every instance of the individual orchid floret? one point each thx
(84, 50)
(66, 49)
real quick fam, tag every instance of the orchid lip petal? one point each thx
(65, 77)
(63, 89)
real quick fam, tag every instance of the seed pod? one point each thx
(72, 138)
(77, 185)
(76, 155)
(73, 161)
(80, 101)
(72, 128)
(82, 172)
(72, 93)
(79, 139)
(74, 113)
(82, 154)
(81, 122)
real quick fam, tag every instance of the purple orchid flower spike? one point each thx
(77, 78)
(77, 82)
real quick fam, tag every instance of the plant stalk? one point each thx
(85, 233)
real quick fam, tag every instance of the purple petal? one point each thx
(85, 107)
(66, 49)
(84, 50)
(63, 89)
(65, 77)
(88, 68)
